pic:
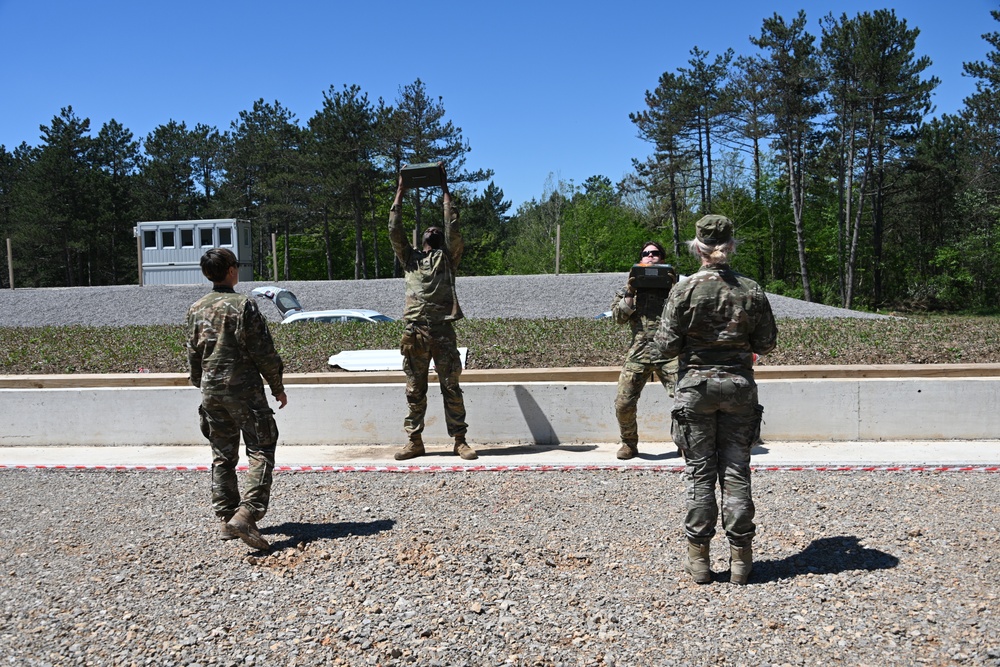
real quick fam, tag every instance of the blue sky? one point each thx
(539, 88)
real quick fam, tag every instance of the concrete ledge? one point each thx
(523, 406)
(580, 374)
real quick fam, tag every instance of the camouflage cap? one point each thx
(714, 229)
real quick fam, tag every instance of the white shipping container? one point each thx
(172, 249)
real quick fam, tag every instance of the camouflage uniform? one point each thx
(643, 359)
(430, 309)
(229, 348)
(714, 321)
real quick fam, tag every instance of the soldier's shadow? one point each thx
(827, 555)
(662, 456)
(521, 450)
(296, 532)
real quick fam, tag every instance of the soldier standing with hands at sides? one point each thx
(430, 309)
(640, 308)
(229, 348)
(715, 320)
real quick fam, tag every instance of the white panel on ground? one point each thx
(376, 360)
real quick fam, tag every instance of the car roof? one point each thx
(342, 311)
(349, 312)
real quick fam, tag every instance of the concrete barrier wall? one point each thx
(922, 408)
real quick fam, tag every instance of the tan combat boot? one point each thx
(224, 534)
(413, 449)
(462, 449)
(627, 451)
(697, 564)
(740, 564)
(243, 526)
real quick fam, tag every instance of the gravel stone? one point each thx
(486, 297)
(519, 568)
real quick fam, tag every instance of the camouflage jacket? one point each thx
(643, 319)
(429, 276)
(715, 320)
(229, 346)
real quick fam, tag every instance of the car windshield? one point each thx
(382, 318)
(286, 301)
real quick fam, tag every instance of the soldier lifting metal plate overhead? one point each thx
(422, 175)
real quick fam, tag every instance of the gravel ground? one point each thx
(576, 295)
(581, 568)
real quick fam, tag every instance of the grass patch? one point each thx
(502, 343)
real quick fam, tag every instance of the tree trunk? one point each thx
(878, 226)
(856, 230)
(374, 236)
(675, 223)
(360, 261)
(708, 165)
(326, 243)
(795, 179)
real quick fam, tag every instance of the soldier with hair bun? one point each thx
(715, 321)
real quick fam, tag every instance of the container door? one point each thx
(245, 250)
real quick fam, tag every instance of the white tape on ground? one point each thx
(514, 468)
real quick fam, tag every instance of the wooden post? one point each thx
(274, 255)
(10, 264)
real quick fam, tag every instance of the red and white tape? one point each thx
(511, 468)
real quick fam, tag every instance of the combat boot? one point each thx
(413, 449)
(224, 534)
(627, 451)
(740, 564)
(462, 449)
(697, 564)
(243, 526)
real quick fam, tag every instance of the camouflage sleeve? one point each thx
(260, 348)
(764, 337)
(620, 310)
(397, 237)
(193, 353)
(669, 338)
(452, 236)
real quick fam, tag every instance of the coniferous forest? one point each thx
(822, 143)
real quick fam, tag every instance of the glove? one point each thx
(630, 287)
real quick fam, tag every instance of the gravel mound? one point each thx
(483, 568)
(537, 296)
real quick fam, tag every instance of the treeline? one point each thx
(822, 147)
(70, 204)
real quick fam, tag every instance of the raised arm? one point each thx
(397, 237)
(452, 236)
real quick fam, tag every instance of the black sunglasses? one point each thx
(651, 253)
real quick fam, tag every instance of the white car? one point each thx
(291, 310)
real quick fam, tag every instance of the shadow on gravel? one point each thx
(659, 457)
(829, 555)
(296, 532)
(523, 450)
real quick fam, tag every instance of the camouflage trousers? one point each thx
(435, 342)
(223, 418)
(631, 381)
(716, 421)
